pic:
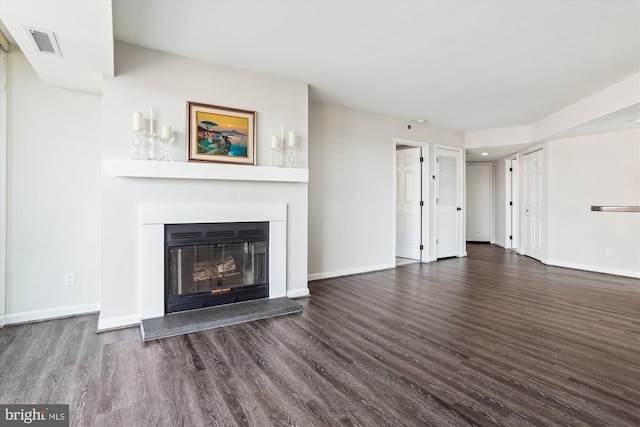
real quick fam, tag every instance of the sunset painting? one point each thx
(220, 134)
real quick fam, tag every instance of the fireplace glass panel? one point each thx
(216, 263)
(218, 267)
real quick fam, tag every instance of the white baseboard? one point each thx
(501, 244)
(298, 293)
(118, 322)
(50, 313)
(349, 271)
(595, 269)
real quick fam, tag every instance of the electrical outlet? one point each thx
(608, 252)
(70, 279)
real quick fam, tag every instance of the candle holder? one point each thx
(291, 157)
(165, 149)
(274, 157)
(138, 136)
(152, 146)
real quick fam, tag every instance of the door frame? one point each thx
(4, 176)
(492, 235)
(462, 225)
(512, 213)
(424, 184)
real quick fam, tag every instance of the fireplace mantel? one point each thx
(212, 171)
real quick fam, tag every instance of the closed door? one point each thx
(408, 210)
(448, 203)
(533, 205)
(478, 205)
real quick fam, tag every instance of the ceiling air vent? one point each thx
(43, 41)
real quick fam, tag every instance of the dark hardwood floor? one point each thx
(495, 339)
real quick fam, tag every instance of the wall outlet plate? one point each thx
(70, 279)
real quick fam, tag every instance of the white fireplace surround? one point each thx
(153, 217)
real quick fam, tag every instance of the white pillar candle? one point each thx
(166, 132)
(292, 139)
(151, 121)
(137, 122)
(282, 134)
(275, 142)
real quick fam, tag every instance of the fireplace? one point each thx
(154, 217)
(215, 263)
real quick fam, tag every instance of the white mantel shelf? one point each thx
(190, 170)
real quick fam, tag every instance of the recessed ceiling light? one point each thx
(484, 154)
(636, 122)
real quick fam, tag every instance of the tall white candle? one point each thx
(137, 122)
(166, 132)
(151, 121)
(275, 142)
(282, 134)
(292, 139)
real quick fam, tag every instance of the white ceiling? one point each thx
(464, 65)
(83, 30)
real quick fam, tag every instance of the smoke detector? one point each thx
(43, 41)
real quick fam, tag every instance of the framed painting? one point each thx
(220, 134)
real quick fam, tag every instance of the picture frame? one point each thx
(220, 134)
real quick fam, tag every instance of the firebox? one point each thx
(215, 263)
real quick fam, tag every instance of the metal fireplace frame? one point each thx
(188, 234)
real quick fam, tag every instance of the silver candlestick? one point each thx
(138, 138)
(165, 150)
(152, 146)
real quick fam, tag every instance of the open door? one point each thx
(408, 203)
(533, 216)
(449, 220)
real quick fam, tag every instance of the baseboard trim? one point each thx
(120, 322)
(50, 313)
(595, 269)
(349, 271)
(298, 293)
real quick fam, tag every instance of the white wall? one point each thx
(594, 170)
(147, 78)
(53, 197)
(351, 157)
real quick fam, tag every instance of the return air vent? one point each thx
(43, 41)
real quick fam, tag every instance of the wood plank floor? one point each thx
(495, 339)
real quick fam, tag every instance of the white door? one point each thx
(408, 210)
(448, 203)
(478, 205)
(533, 205)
